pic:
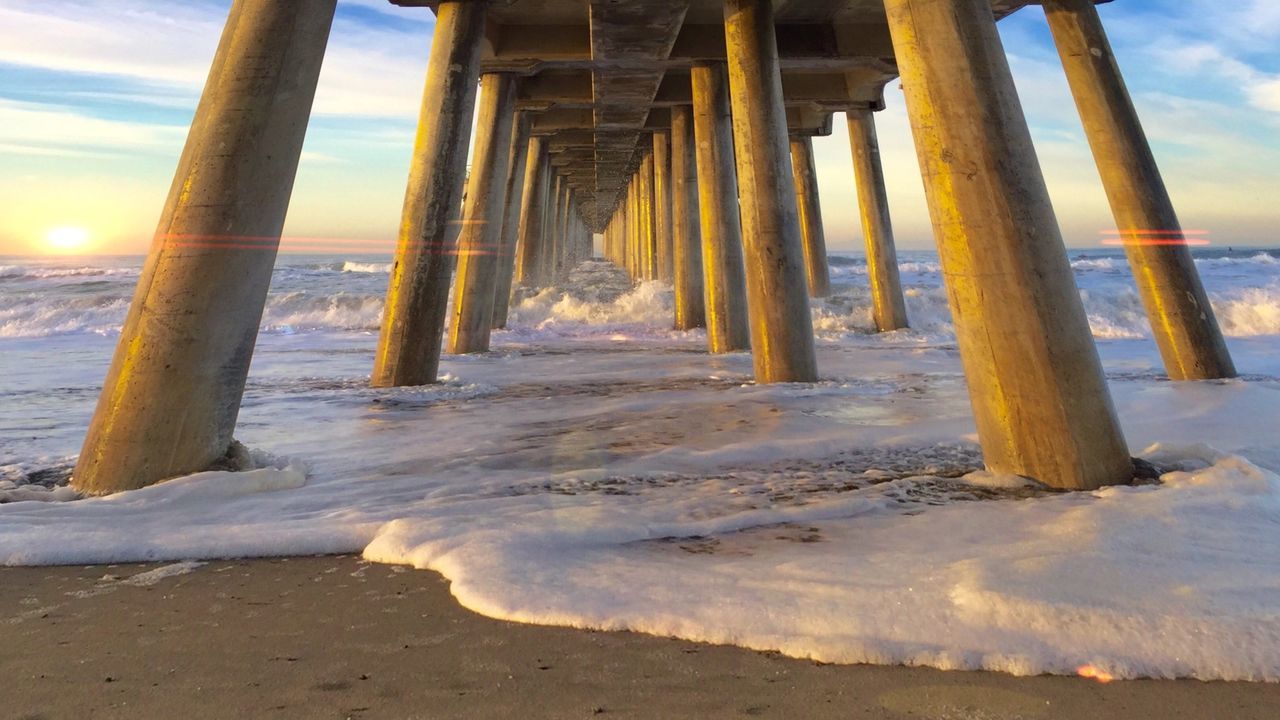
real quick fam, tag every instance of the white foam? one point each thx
(361, 267)
(154, 577)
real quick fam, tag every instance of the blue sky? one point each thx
(96, 95)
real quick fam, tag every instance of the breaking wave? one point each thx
(360, 267)
(598, 301)
(23, 272)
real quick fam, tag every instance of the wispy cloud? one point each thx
(371, 70)
(37, 129)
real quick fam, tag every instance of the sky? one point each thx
(96, 97)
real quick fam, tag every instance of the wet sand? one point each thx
(334, 637)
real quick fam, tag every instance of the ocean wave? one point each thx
(858, 267)
(360, 267)
(103, 315)
(15, 272)
(302, 311)
(1114, 313)
(29, 317)
(599, 301)
(1262, 258)
(1102, 263)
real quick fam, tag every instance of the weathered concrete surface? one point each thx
(648, 221)
(1039, 397)
(1182, 320)
(631, 215)
(533, 213)
(333, 637)
(480, 243)
(782, 348)
(812, 236)
(551, 231)
(518, 162)
(686, 240)
(560, 246)
(417, 298)
(723, 279)
(170, 399)
(888, 305)
(662, 206)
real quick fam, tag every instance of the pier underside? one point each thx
(600, 75)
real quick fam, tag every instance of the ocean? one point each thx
(599, 469)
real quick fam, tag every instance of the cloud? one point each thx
(128, 38)
(1261, 89)
(370, 70)
(39, 129)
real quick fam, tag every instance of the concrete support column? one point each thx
(812, 236)
(562, 234)
(1182, 320)
(1039, 397)
(686, 241)
(889, 307)
(616, 242)
(648, 237)
(533, 208)
(628, 217)
(620, 233)
(781, 326)
(724, 283)
(616, 226)
(413, 322)
(170, 399)
(633, 217)
(518, 162)
(570, 255)
(551, 233)
(662, 205)
(480, 242)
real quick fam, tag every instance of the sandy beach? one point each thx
(336, 637)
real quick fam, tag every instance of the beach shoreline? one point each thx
(336, 636)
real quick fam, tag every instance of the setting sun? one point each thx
(67, 239)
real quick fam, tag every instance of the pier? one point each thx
(679, 133)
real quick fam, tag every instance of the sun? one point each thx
(67, 238)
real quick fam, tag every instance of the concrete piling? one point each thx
(648, 225)
(172, 394)
(480, 242)
(724, 283)
(519, 158)
(533, 213)
(551, 232)
(889, 308)
(636, 227)
(1182, 320)
(813, 239)
(663, 256)
(413, 322)
(781, 326)
(686, 240)
(1039, 397)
